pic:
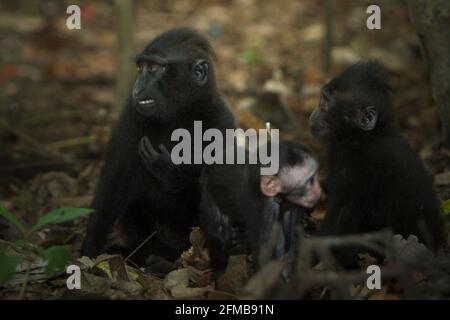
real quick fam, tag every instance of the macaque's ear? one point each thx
(270, 185)
(367, 118)
(200, 72)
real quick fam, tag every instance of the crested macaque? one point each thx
(239, 195)
(374, 180)
(175, 85)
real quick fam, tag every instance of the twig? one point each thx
(339, 281)
(140, 246)
(25, 282)
(328, 37)
(47, 164)
(71, 142)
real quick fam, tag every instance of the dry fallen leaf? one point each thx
(177, 283)
(177, 278)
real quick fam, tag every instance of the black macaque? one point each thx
(175, 85)
(373, 178)
(238, 195)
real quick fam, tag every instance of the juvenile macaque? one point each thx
(240, 195)
(374, 179)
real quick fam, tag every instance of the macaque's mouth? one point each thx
(147, 101)
(306, 204)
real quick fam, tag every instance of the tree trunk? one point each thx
(125, 50)
(328, 36)
(431, 20)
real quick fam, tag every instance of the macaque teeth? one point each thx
(146, 101)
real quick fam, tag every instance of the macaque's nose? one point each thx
(315, 193)
(317, 190)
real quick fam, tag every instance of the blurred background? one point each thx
(61, 90)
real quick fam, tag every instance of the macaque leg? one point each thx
(218, 233)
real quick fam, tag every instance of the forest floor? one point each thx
(58, 104)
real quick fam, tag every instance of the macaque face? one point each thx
(343, 110)
(298, 185)
(317, 120)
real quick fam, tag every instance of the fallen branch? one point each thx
(71, 142)
(39, 148)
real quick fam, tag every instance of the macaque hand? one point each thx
(157, 163)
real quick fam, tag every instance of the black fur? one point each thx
(165, 200)
(231, 196)
(374, 179)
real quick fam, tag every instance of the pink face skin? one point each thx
(312, 195)
(300, 184)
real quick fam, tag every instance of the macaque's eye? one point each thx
(323, 104)
(153, 67)
(150, 67)
(310, 181)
